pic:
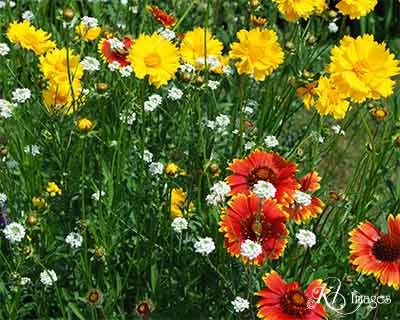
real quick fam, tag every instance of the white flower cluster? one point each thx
(90, 22)
(115, 44)
(48, 277)
(306, 238)
(187, 67)
(179, 224)
(126, 71)
(302, 199)
(74, 239)
(156, 168)
(264, 190)
(249, 145)
(220, 124)
(10, 3)
(315, 136)
(3, 198)
(90, 64)
(175, 93)
(204, 246)
(240, 304)
(147, 156)
(113, 66)
(250, 249)
(25, 281)
(338, 130)
(97, 195)
(6, 108)
(27, 15)
(219, 191)
(32, 149)
(212, 61)
(333, 28)
(128, 117)
(20, 95)
(271, 142)
(14, 232)
(212, 84)
(152, 103)
(4, 49)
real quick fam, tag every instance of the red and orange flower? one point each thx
(110, 54)
(306, 206)
(377, 253)
(266, 166)
(286, 301)
(161, 16)
(247, 217)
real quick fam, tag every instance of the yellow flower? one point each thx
(356, 8)
(38, 202)
(330, 99)
(179, 202)
(86, 33)
(362, 68)
(295, 9)
(53, 189)
(25, 35)
(85, 125)
(58, 96)
(259, 52)
(154, 56)
(193, 45)
(171, 169)
(55, 68)
(307, 94)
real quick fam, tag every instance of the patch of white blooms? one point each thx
(338, 130)
(27, 15)
(97, 195)
(302, 199)
(74, 239)
(113, 66)
(212, 84)
(156, 168)
(147, 156)
(6, 108)
(271, 141)
(25, 281)
(21, 95)
(90, 22)
(32, 149)
(333, 28)
(115, 44)
(10, 3)
(264, 190)
(152, 103)
(128, 117)
(48, 277)
(187, 68)
(219, 191)
(220, 124)
(14, 232)
(249, 145)
(306, 238)
(204, 246)
(3, 198)
(240, 304)
(90, 64)
(250, 249)
(175, 93)
(4, 49)
(179, 224)
(167, 34)
(126, 71)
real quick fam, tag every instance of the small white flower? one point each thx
(113, 143)
(21, 95)
(121, 25)
(167, 34)
(11, 4)
(220, 124)
(302, 199)
(27, 15)
(179, 224)
(147, 156)
(2, 4)
(97, 195)
(332, 27)
(12, 164)
(74, 239)
(25, 281)
(4, 49)
(115, 44)
(219, 191)
(134, 9)
(90, 64)
(175, 93)
(6, 108)
(240, 304)
(248, 110)
(128, 118)
(264, 190)
(48, 277)
(156, 168)
(271, 141)
(90, 22)
(315, 136)
(306, 238)
(187, 68)
(124, 2)
(250, 249)
(228, 70)
(32, 149)
(338, 130)
(14, 232)
(3, 197)
(213, 85)
(204, 246)
(126, 71)
(113, 66)
(249, 145)
(152, 103)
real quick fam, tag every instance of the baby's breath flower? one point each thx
(97, 195)
(219, 191)
(128, 118)
(21, 95)
(126, 71)
(187, 67)
(264, 189)
(302, 199)
(90, 64)
(204, 246)
(147, 156)
(90, 22)
(213, 85)
(116, 44)
(74, 240)
(240, 304)
(14, 232)
(306, 238)
(167, 34)
(337, 130)
(48, 277)
(175, 93)
(179, 224)
(249, 145)
(271, 141)
(333, 28)
(25, 281)
(113, 66)
(4, 49)
(250, 249)
(152, 103)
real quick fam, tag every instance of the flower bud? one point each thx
(68, 14)
(85, 125)
(102, 87)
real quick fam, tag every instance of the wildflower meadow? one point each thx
(199, 159)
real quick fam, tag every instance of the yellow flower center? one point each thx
(360, 69)
(152, 60)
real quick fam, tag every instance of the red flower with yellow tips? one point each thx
(110, 54)
(162, 16)
(306, 206)
(266, 166)
(248, 217)
(287, 301)
(377, 253)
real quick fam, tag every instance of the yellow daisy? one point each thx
(295, 9)
(87, 33)
(356, 8)
(58, 96)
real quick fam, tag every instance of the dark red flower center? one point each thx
(386, 249)
(263, 173)
(294, 303)
(143, 308)
(256, 229)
